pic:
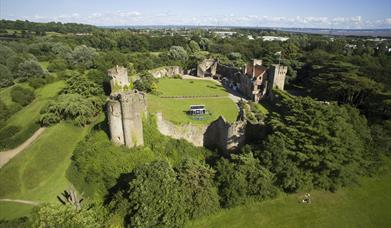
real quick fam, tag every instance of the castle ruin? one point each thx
(254, 82)
(125, 109)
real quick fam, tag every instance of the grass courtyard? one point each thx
(366, 205)
(205, 92)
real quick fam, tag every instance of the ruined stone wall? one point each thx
(207, 67)
(168, 71)
(225, 136)
(232, 73)
(219, 134)
(189, 132)
(118, 78)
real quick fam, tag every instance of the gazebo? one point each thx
(197, 110)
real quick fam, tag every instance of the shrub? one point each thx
(243, 178)
(22, 96)
(151, 197)
(57, 65)
(75, 107)
(5, 76)
(31, 68)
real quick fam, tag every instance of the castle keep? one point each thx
(125, 109)
(254, 82)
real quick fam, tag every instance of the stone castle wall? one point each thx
(168, 71)
(189, 132)
(225, 136)
(219, 134)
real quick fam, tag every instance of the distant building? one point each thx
(275, 38)
(224, 34)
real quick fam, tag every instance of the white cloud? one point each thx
(124, 17)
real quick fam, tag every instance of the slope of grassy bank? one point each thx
(38, 173)
(26, 118)
(367, 205)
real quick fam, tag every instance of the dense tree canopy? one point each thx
(152, 198)
(314, 143)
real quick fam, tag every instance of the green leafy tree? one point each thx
(196, 181)
(243, 178)
(57, 65)
(178, 53)
(146, 83)
(194, 47)
(57, 215)
(29, 69)
(315, 144)
(5, 76)
(82, 56)
(5, 53)
(152, 197)
(21, 95)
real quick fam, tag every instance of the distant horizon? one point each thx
(332, 14)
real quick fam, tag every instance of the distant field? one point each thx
(174, 109)
(38, 173)
(368, 205)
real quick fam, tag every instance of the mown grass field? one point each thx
(38, 173)
(179, 87)
(174, 109)
(27, 117)
(367, 205)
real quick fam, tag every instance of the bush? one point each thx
(75, 107)
(151, 197)
(243, 178)
(58, 215)
(36, 82)
(57, 65)
(22, 96)
(196, 184)
(146, 83)
(15, 135)
(5, 76)
(29, 69)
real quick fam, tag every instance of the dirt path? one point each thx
(7, 155)
(20, 201)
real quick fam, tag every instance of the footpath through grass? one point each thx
(367, 205)
(208, 93)
(38, 173)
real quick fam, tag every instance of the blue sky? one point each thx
(271, 13)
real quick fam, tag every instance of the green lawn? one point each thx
(174, 109)
(367, 205)
(38, 173)
(179, 87)
(28, 116)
